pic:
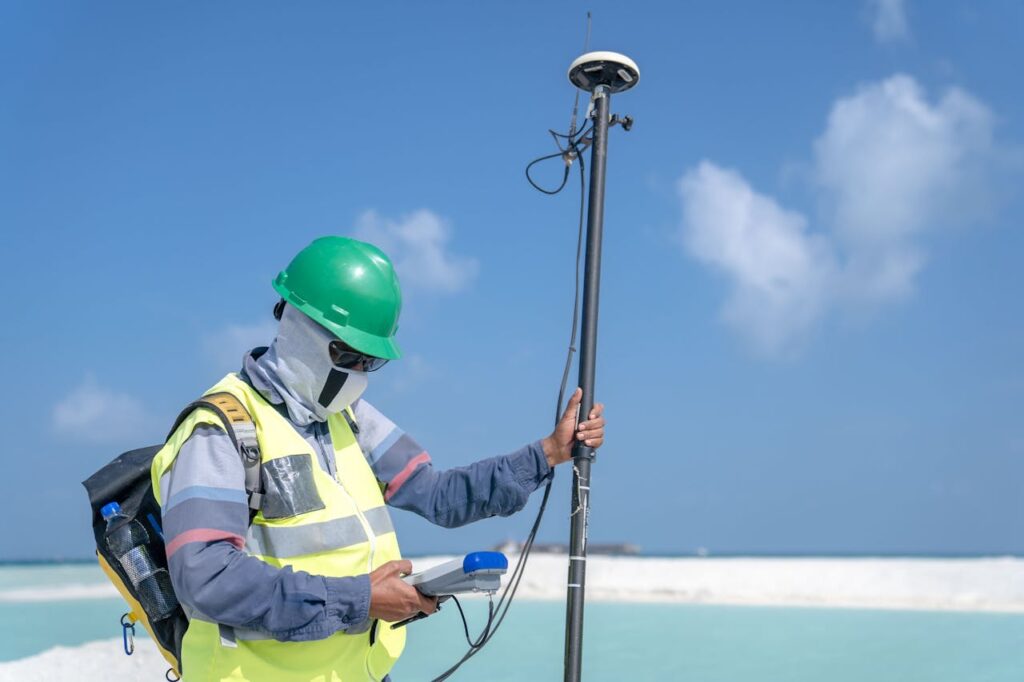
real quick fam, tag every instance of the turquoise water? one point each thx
(623, 641)
(730, 644)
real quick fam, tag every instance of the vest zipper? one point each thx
(369, 568)
(373, 548)
(366, 525)
(359, 513)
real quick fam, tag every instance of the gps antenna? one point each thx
(602, 74)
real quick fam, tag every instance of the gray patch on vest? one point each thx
(289, 487)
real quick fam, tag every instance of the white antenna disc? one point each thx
(614, 71)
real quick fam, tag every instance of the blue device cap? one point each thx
(478, 561)
(110, 509)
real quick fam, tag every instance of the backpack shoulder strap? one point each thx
(241, 430)
(350, 419)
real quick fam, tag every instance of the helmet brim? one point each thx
(364, 342)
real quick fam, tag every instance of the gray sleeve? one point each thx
(497, 486)
(206, 518)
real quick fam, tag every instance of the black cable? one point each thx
(465, 626)
(574, 138)
(571, 136)
(565, 176)
(517, 573)
(509, 592)
(576, 294)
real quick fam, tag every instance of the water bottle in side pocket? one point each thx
(127, 540)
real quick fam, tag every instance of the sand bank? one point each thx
(995, 584)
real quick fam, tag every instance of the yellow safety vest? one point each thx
(345, 532)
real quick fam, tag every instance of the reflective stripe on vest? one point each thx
(292, 541)
(336, 527)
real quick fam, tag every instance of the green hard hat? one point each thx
(349, 287)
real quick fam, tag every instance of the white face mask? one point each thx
(303, 364)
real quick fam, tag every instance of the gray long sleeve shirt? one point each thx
(206, 518)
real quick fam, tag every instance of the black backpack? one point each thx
(127, 481)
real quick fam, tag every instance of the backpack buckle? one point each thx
(251, 452)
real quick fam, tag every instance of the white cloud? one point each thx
(95, 414)
(780, 273)
(418, 245)
(889, 168)
(225, 347)
(889, 20)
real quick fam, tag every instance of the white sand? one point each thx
(101, 661)
(995, 584)
(944, 584)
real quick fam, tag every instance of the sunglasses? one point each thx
(346, 357)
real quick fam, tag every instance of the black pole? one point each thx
(583, 456)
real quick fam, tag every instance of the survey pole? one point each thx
(601, 74)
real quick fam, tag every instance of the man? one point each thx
(306, 588)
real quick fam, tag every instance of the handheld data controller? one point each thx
(476, 572)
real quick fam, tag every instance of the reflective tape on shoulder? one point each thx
(311, 538)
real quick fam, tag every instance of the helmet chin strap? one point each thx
(335, 381)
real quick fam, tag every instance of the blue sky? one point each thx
(811, 331)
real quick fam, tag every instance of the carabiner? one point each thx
(128, 633)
